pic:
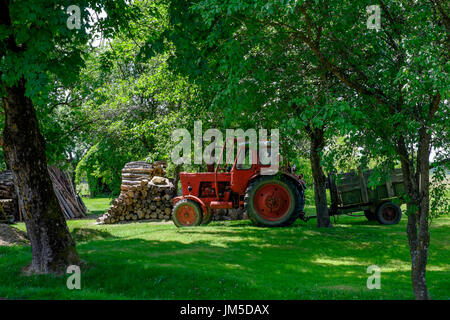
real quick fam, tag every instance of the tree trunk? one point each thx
(176, 178)
(51, 243)
(317, 141)
(418, 207)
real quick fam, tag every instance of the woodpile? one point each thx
(71, 204)
(9, 210)
(145, 194)
(135, 172)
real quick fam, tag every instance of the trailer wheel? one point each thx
(389, 213)
(187, 213)
(370, 215)
(207, 218)
(272, 202)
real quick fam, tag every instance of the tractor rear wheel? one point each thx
(272, 202)
(187, 213)
(389, 213)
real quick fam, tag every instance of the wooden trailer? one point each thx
(349, 193)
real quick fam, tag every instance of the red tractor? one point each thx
(270, 200)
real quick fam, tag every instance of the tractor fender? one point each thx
(193, 198)
(176, 199)
(290, 176)
(301, 187)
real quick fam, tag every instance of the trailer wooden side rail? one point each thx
(349, 192)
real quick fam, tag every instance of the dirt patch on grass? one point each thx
(86, 234)
(11, 236)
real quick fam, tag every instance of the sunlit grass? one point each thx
(97, 205)
(235, 260)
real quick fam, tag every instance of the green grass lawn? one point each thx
(97, 205)
(234, 260)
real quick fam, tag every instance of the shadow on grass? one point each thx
(245, 268)
(230, 261)
(200, 270)
(365, 223)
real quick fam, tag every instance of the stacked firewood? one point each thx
(145, 194)
(135, 172)
(71, 204)
(9, 210)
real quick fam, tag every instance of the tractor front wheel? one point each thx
(272, 202)
(187, 213)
